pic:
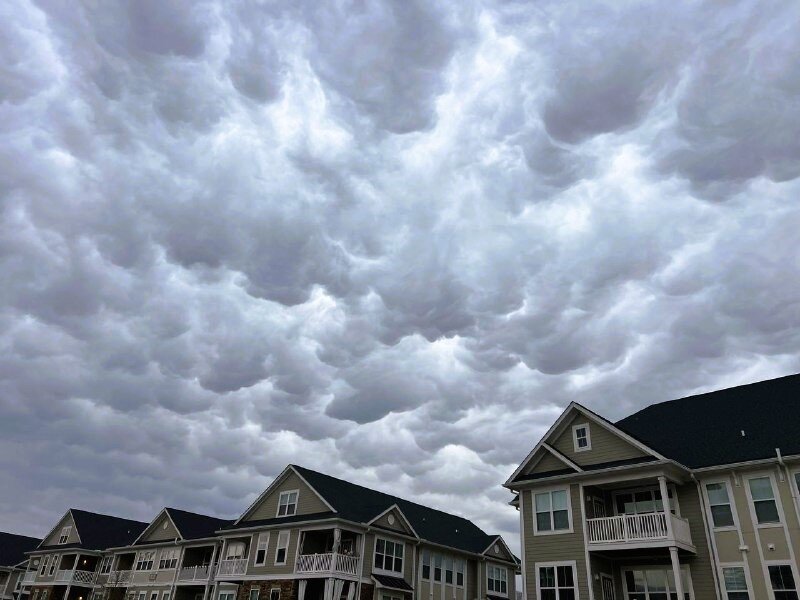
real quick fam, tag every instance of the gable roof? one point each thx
(194, 526)
(13, 548)
(359, 504)
(98, 531)
(706, 429)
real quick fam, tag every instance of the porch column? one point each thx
(676, 570)
(662, 484)
(210, 572)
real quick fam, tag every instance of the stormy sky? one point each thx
(387, 240)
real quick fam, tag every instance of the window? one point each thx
(720, 504)
(497, 580)
(105, 566)
(168, 558)
(153, 595)
(44, 595)
(226, 596)
(653, 584)
(735, 583)
(275, 594)
(144, 561)
(254, 593)
(764, 500)
(580, 437)
(552, 511)
(448, 570)
(287, 503)
(642, 501)
(165, 596)
(234, 550)
(557, 582)
(389, 555)
(437, 568)
(282, 549)
(64, 535)
(261, 549)
(426, 565)
(142, 595)
(45, 564)
(460, 572)
(54, 564)
(782, 580)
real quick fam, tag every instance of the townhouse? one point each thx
(14, 563)
(310, 536)
(694, 498)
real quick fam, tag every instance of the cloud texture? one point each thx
(389, 240)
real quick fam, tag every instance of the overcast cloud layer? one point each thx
(388, 240)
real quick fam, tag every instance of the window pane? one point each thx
(542, 502)
(565, 578)
(767, 511)
(549, 594)
(560, 500)
(738, 596)
(761, 488)
(561, 519)
(656, 581)
(644, 502)
(717, 493)
(543, 521)
(735, 580)
(566, 594)
(547, 576)
(722, 515)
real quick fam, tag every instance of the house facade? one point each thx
(694, 498)
(14, 563)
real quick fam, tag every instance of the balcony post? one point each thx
(662, 484)
(676, 570)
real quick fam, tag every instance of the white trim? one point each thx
(402, 516)
(288, 533)
(375, 550)
(296, 503)
(560, 456)
(575, 444)
(266, 549)
(503, 568)
(550, 490)
(559, 563)
(153, 522)
(748, 582)
(775, 498)
(772, 563)
(498, 538)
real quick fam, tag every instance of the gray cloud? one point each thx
(389, 240)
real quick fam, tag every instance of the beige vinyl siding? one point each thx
(399, 524)
(430, 590)
(548, 463)
(270, 568)
(66, 520)
(307, 503)
(154, 577)
(503, 554)
(749, 535)
(602, 566)
(408, 554)
(606, 446)
(786, 491)
(471, 580)
(159, 533)
(701, 565)
(557, 547)
(485, 580)
(727, 543)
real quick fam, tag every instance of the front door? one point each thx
(608, 587)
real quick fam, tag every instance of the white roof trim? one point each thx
(53, 530)
(275, 482)
(594, 418)
(154, 521)
(499, 538)
(562, 458)
(402, 516)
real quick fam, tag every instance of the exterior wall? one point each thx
(66, 520)
(701, 565)
(556, 547)
(270, 568)
(307, 503)
(483, 584)
(369, 555)
(155, 577)
(548, 463)
(161, 530)
(398, 524)
(135, 592)
(287, 586)
(498, 550)
(606, 446)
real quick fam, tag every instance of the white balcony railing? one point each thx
(76, 576)
(119, 578)
(632, 529)
(198, 573)
(330, 562)
(29, 577)
(234, 566)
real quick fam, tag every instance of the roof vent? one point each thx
(742, 432)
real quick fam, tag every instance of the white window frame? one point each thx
(165, 595)
(44, 565)
(437, 559)
(780, 563)
(231, 544)
(255, 589)
(460, 569)
(550, 491)
(66, 531)
(384, 554)
(54, 564)
(448, 560)
(142, 595)
(776, 498)
(278, 547)
(500, 569)
(555, 565)
(671, 489)
(145, 557)
(262, 543)
(575, 445)
(689, 588)
(106, 564)
(731, 503)
(426, 556)
(174, 556)
(222, 595)
(287, 494)
(273, 590)
(154, 595)
(748, 582)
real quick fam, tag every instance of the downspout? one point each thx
(792, 486)
(709, 533)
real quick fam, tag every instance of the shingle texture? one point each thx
(357, 503)
(98, 532)
(193, 526)
(13, 548)
(706, 429)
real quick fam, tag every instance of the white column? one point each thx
(662, 485)
(676, 570)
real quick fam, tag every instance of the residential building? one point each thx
(14, 563)
(693, 498)
(66, 564)
(310, 536)
(172, 559)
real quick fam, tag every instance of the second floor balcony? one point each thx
(196, 573)
(327, 563)
(638, 530)
(75, 577)
(29, 577)
(119, 578)
(232, 566)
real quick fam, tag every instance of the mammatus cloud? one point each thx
(389, 240)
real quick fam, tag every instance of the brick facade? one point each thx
(288, 589)
(367, 591)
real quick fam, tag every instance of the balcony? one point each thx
(77, 577)
(119, 578)
(638, 531)
(230, 567)
(29, 577)
(198, 573)
(327, 563)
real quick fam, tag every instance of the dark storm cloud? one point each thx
(390, 240)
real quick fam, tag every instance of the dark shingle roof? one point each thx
(396, 583)
(193, 526)
(281, 520)
(706, 429)
(98, 532)
(13, 548)
(360, 504)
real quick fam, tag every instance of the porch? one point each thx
(196, 565)
(121, 570)
(77, 569)
(326, 589)
(328, 552)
